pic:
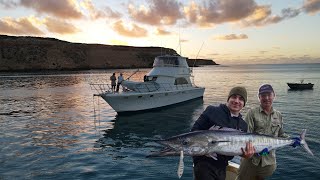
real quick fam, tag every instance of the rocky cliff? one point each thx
(35, 53)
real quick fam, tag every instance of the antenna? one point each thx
(179, 41)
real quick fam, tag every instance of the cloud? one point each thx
(232, 37)
(213, 54)
(263, 16)
(219, 11)
(8, 4)
(96, 14)
(60, 26)
(191, 12)
(21, 26)
(161, 31)
(158, 12)
(119, 42)
(311, 6)
(67, 9)
(112, 14)
(135, 31)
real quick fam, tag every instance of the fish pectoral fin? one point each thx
(213, 156)
(214, 142)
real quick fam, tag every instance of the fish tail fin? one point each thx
(303, 141)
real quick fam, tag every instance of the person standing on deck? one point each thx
(222, 117)
(120, 79)
(262, 120)
(113, 80)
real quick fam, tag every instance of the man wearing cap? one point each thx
(222, 117)
(262, 120)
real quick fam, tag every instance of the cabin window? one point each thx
(149, 78)
(171, 60)
(160, 61)
(180, 80)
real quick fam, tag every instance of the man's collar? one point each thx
(261, 109)
(225, 108)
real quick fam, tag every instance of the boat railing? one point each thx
(169, 65)
(143, 87)
(101, 88)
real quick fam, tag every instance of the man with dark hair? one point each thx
(222, 117)
(262, 120)
(113, 80)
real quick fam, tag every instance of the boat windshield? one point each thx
(149, 78)
(170, 61)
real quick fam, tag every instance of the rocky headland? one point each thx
(20, 53)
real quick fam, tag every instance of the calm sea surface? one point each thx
(51, 126)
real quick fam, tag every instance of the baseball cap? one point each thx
(266, 88)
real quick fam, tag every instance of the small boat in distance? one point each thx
(300, 86)
(169, 82)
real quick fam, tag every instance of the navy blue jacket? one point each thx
(218, 117)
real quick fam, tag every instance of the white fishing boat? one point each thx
(169, 82)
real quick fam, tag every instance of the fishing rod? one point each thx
(195, 62)
(197, 55)
(133, 74)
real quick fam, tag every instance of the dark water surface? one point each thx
(51, 127)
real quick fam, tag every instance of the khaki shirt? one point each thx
(268, 124)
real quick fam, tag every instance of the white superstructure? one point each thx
(169, 82)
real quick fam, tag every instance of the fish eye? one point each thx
(184, 142)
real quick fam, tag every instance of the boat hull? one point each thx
(299, 86)
(132, 102)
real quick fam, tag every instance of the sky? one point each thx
(226, 31)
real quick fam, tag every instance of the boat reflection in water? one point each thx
(132, 137)
(135, 130)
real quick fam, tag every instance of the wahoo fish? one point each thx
(229, 143)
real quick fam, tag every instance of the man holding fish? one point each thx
(263, 119)
(223, 117)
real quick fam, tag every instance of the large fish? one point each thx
(206, 142)
(209, 142)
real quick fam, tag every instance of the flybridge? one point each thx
(170, 61)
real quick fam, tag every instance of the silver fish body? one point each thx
(228, 143)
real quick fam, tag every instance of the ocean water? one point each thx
(51, 126)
